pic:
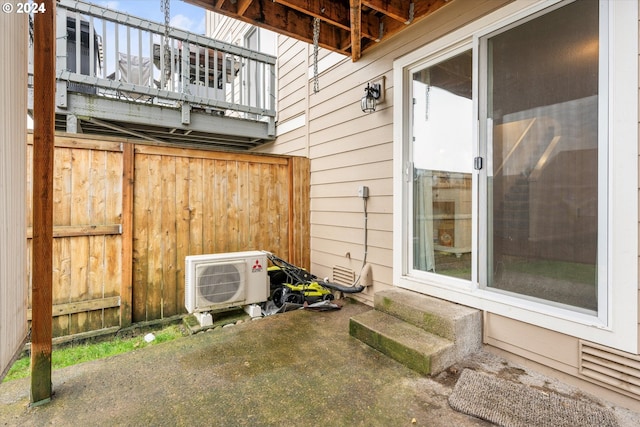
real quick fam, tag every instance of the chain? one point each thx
(165, 6)
(427, 94)
(316, 38)
(411, 13)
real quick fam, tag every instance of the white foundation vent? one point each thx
(343, 275)
(614, 369)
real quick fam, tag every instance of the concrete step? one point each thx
(414, 347)
(454, 322)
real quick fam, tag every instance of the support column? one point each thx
(44, 80)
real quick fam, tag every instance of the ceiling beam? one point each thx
(281, 19)
(421, 11)
(336, 14)
(356, 14)
(243, 5)
(400, 10)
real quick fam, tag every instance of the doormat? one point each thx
(510, 404)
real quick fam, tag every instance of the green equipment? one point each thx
(295, 285)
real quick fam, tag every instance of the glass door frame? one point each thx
(408, 172)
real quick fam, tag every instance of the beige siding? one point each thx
(226, 30)
(540, 345)
(292, 78)
(13, 135)
(292, 103)
(292, 143)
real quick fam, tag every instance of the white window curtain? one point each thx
(423, 204)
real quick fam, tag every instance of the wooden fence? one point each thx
(125, 216)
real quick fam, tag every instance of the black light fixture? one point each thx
(370, 99)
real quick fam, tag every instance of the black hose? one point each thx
(341, 288)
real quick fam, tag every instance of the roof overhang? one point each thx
(350, 27)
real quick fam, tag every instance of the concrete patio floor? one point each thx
(299, 368)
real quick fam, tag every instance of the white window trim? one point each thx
(620, 329)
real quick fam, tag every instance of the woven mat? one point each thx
(511, 404)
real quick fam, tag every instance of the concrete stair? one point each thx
(424, 333)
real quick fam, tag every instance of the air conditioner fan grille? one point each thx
(218, 283)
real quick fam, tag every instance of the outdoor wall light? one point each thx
(371, 96)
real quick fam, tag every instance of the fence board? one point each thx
(97, 186)
(78, 288)
(168, 238)
(61, 283)
(155, 279)
(140, 238)
(95, 279)
(81, 230)
(220, 213)
(301, 228)
(183, 216)
(126, 254)
(62, 187)
(283, 182)
(113, 187)
(210, 219)
(196, 194)
(257, 206)
(243, 206)
(87, 142)
(80, 246)
(77, 307)
(262, 239)
(212, 155)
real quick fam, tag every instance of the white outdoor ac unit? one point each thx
(220, 281)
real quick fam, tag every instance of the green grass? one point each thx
(78, 353)
(561, 270)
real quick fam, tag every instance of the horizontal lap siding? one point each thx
(292, 98)
(350, 149)
(294, 143)
(292, 78)
(541, 345)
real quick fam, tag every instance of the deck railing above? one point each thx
(111, 54)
